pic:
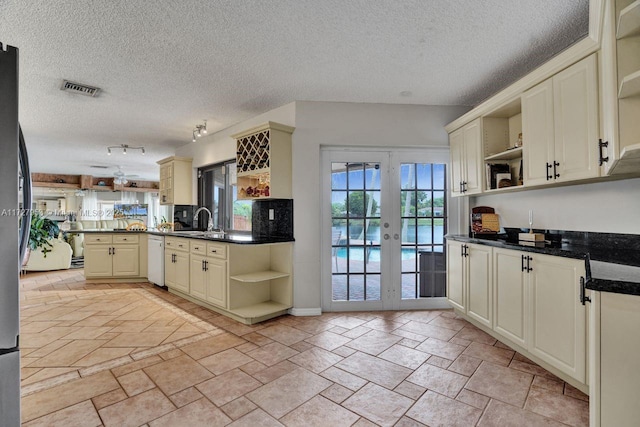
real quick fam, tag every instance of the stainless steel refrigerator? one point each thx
(15, 195)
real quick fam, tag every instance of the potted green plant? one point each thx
(42, 229)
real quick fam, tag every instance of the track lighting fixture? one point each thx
(198, 131)
(124, 148)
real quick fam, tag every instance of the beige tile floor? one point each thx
(134, 355)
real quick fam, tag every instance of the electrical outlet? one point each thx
(272, 215)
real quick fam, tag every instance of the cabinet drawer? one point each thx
(198, 247)
(125, 238)
(217, 250)
(177, 244)
(95, 239)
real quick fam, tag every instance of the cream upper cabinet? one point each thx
(510, 295)
(560, 126)
(466, 159)
(557, 330)
(175, 181)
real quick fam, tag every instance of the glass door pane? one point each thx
(355, 231)
(423, 226)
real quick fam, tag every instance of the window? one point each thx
(217, 191)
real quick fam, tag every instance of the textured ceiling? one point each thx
(165, 65)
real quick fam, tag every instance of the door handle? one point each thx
(529, 259)
(548, 167)
(113, 251)
(555, 172)
(601, 145)
(109, 251)
(206, 265)
(583, 297)
(202, 266)
(464, 186)
(522, 257)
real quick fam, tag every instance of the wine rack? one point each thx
(263, 161)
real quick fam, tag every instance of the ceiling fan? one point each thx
(119, 177)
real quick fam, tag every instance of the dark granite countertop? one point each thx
(617, 251)
(236, 238)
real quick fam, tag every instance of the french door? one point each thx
(384, 221)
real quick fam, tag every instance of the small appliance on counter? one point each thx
(485, 223)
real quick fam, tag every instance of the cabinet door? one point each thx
(575, 99)
(619, 361)
(126, 261)
(472, 160)
(456, 145)
(169, 269)
(182, 272)
(217, 282)
(456, 275)
(557, 331)
(538, 134)
(197, 278)
(166, 184)
(480, 299)
(97, 261)
(510, 295)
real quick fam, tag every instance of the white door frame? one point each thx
(391, 271)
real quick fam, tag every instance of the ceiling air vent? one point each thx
(79, 88)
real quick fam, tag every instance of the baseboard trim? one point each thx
(305, 311)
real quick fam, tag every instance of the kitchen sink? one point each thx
(191, 232)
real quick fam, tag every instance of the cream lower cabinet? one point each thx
(617, 356)
(469, 280)
(249, 283)
(176, 263)
(558, 320)
(510, 295)
(537, 306)
(208, 272)
(111, 255)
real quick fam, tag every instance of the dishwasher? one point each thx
(155, 259)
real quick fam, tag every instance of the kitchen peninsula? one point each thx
(246, 278)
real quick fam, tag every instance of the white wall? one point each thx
(346, 124)
(610, 207)
(334, 124)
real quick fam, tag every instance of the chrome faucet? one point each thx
(210, 222)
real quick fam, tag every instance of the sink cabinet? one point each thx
(247, 282)
(176, 264)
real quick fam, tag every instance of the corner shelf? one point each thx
(629, 21)
(259, 276)
(514, 153)
(630, 85)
